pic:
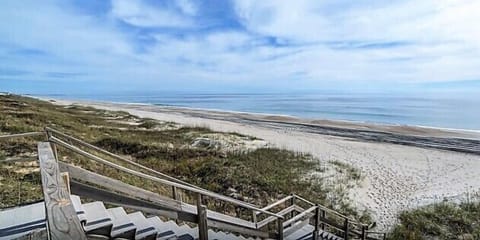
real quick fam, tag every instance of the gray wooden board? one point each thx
(161, 204)
(83, 175)
(63, 222)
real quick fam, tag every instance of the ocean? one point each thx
(435, 110)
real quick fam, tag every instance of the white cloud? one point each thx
(188, 7)
(305, 20)
(309, 43)
(295, 20)
(439, 38)
(140, 14)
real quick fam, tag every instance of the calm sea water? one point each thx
(436, 110)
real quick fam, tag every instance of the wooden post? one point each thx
(364, 232)
(174, 193)
(292, 202)
(280, 228)
(62, 221)
(202, 219)
(54, 147)
(345, 229)
(238, 212)
(317, 223)
(324, 216)
(254, 217)
(66, 180)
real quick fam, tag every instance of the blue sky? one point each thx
(221, 45)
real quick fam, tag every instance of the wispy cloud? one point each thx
(12, 72)
(177, 44)
(143, 14)
(63, 74)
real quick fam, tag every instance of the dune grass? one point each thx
(444, 220)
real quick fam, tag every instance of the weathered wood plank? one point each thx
(268, 220)
(19, 159)
(316, 224)
(29, 134)
(88, 145)
(121, 199)
(295, 227)
(276, 203)
(181, 211)
(62, 220)
(66, 180)
(81, 174)
(306, 213)
(159, 180)
(280, 229)
(202, 219)
(35, 235)
(188, 212)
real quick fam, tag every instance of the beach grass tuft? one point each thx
(445, 220)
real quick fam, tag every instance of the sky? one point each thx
(220, 45)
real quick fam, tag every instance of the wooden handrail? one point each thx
(350, 220)
(275, 203)
(20, 159)
(271, 219)
(176, 183)
(299, 216)
(85, 144)
(18, 135)
(88, 145)
(266, 208)
(304, 200)
(159, 180)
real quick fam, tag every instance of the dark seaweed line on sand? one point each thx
(452, 144)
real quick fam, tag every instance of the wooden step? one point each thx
(163, 230)
(98, 221)
(173, 227)
(19, 221)
(145, 229)
(185, 236)
(79, 209)
(122, 226)
(190, 231)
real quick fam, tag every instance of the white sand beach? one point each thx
(397, 177)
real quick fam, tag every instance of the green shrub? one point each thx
(148, 124)
(440, 221)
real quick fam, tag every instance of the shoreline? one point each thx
(424, 137)
(387, 127)
(397, 177)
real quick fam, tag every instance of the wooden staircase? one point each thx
(142, 214)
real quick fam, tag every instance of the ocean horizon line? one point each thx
(293, 117)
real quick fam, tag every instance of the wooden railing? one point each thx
(19, 135)
(323, 217)
(176, 184)
(296, 212)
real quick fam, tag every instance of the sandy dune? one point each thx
(398, 177)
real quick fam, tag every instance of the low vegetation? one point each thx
(444, 220)
(260, 175)
(351, 172)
